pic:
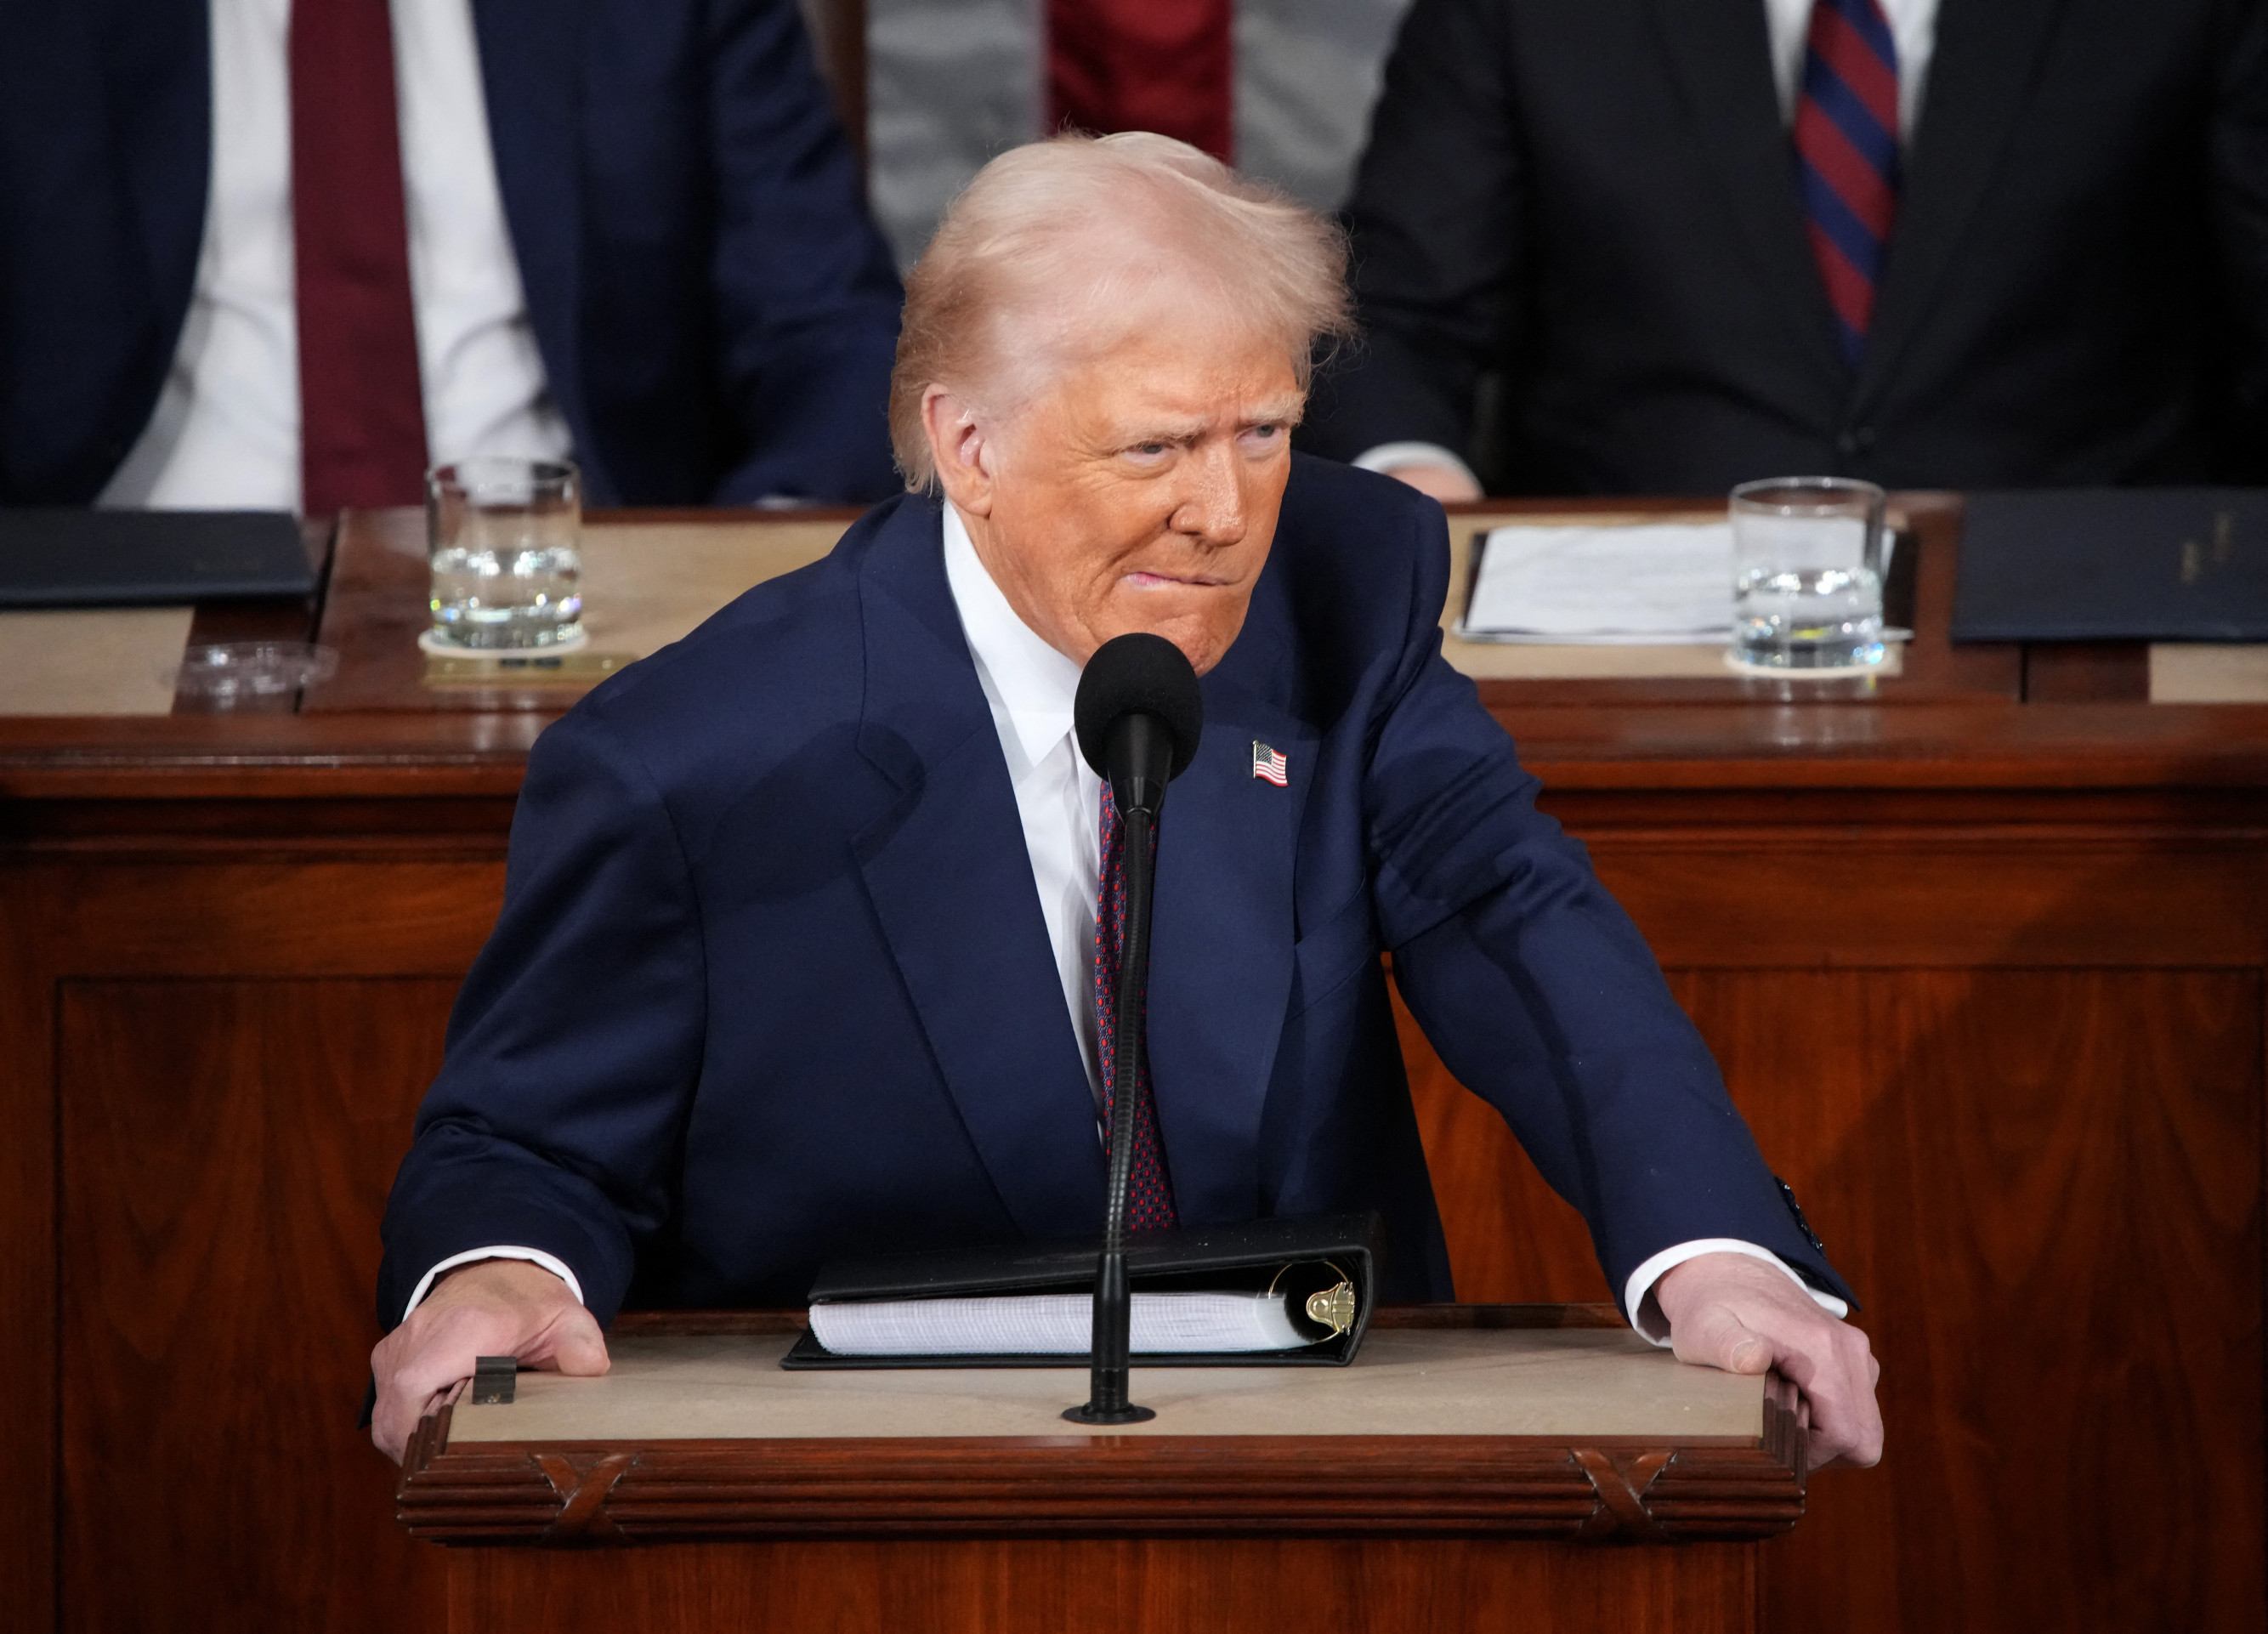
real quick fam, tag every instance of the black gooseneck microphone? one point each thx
(1138, 715)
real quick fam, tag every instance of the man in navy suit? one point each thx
(799, 953)
(256, 254)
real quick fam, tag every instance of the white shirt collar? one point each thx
(1028, 683)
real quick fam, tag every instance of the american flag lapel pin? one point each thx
(1269, 766)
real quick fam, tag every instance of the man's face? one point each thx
(1139, 489)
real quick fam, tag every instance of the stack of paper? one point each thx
(1659, 582)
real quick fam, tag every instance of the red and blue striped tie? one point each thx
(1846, 145)
(1149, 1203)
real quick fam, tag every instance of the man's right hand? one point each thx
(491, 1308)
(1445, 482)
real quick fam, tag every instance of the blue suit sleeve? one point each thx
(1536, 989)
(806, 298)
(576, 1043)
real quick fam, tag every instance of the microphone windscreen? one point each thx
(1145, 674)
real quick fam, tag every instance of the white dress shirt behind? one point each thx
(1787, 28)
(1031, 688)
(225, 432)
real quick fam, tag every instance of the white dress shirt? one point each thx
(1030, 688)
(1913, 32)
(225, 432)
(1788, 25)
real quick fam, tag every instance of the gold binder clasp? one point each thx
(1334, 1307)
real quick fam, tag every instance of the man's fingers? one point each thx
(573, 1345)
(1837, 1376)
(441, 1344)
(1715, 1337)
(420, 1360)
(1736, 1313)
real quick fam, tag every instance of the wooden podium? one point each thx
(1460, 1473)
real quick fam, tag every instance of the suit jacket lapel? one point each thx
(1722, 58)
(1220, 964)
(1981, 71)
(531, 75)
(159, 70)
(952, 885)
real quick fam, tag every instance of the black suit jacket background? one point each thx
(1597, 200)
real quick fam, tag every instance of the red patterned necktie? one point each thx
(1846, 145)
(1150, 1204)
(362, 411)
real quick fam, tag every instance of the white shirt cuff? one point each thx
(1642, 1280)
(1387, 456)
(533, 1256)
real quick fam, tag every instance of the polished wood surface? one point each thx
(204, 1328)
(2045, 1183)
(1985, 969)
(1428, 1585)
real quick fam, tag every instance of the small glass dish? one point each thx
(223, 673)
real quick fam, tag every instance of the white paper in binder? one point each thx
(1054, 1324)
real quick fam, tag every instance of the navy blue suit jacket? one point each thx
(771, 982)
(715, 310)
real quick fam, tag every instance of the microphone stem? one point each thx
(1108, 1383)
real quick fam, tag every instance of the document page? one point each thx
(1052, 1324)
(1669, 582)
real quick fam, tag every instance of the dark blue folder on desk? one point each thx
(75, 559)
(2114, 564)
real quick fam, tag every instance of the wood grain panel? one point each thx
(1511, 1239)
(277, 918)
(27, 1261)
(2046, 1185)
(1102, 1587)
(1892, 895)
(227, 1147)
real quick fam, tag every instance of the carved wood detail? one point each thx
(583, 1482)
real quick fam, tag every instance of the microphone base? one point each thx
(1089, 1413)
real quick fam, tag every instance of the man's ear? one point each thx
(959, 447)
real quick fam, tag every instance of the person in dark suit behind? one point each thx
(260, 253)
(800, 953)
(1932, 243)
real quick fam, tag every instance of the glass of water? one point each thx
(1807, 575)
(502, 535)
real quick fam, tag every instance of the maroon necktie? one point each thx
(1150, 1204)
(362, 414)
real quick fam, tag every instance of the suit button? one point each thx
(1855, 440)
(1787, 1194)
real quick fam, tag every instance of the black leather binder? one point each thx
(2114, 564)
(1317, 1252)
(64, 558)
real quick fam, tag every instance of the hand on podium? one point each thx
(492, 1308)
(1738, 1313)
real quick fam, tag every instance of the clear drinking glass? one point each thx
(1807, 574)
(502, 536)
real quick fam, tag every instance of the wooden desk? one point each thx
(1476, 1443)
(1985, 962)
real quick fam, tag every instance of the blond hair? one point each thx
(1022, 237)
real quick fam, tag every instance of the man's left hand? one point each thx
(1729, 1310)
